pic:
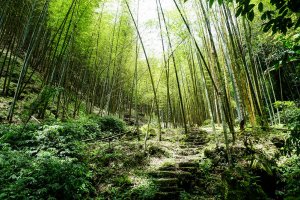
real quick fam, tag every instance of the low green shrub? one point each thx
(42, 177)
(44, 162)
(205, 166)
(53, 161)
(122, 181)
(18, 136)
(240, 183)
(125, 189)
(158, 152)
(206, 122)
(290, 171)
(111, 124)
(291, 116)
(135, 159)
(146, 190)
(293, 142)
(40, 103)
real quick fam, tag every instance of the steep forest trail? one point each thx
(73, 71)
(172, 179)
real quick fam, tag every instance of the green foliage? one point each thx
(40, 103)
(46, 161)
(60, 137)
(280, 19)
(210, 181)
(81, 129)
(42, 177)
(56, 165)
(157, 151)
(291, 115)
(110, 167)
(261, 162)
(293, 142)
(124, 189)
(284, 104)
(122, 181)
(18, 136)
(290, 171)
(289, 112)
(185, 196)
(246, 179)
(242, 184)
(284, 58)
(206, 122)
(111, 124)
(105, 159)
(283, 16)
(205, 165)
(146, 190)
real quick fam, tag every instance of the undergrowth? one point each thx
(53, 161)
(68, 160)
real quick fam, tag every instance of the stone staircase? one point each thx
(182, 175)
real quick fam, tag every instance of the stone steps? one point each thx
(189, 169)
(167, 188)
(196, 141)
(170, 189)
(188, 152)
(168, 174)
(167, 195)
(166, 182)
(188, 164)
(187, 145)
(168, 168)
(181, 176)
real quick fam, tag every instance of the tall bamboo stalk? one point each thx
(175, 67)
(149, 69)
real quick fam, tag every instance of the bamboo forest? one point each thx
(150, 99)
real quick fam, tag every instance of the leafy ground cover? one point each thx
(68, 160)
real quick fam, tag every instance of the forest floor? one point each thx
(70, 160)
(181, 166)
(191, 166)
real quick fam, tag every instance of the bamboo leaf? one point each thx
(211, 2)
(239, 11)
(260, 7)
(251, 6)
(267, 26)
(264, 16)
(250, 15)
